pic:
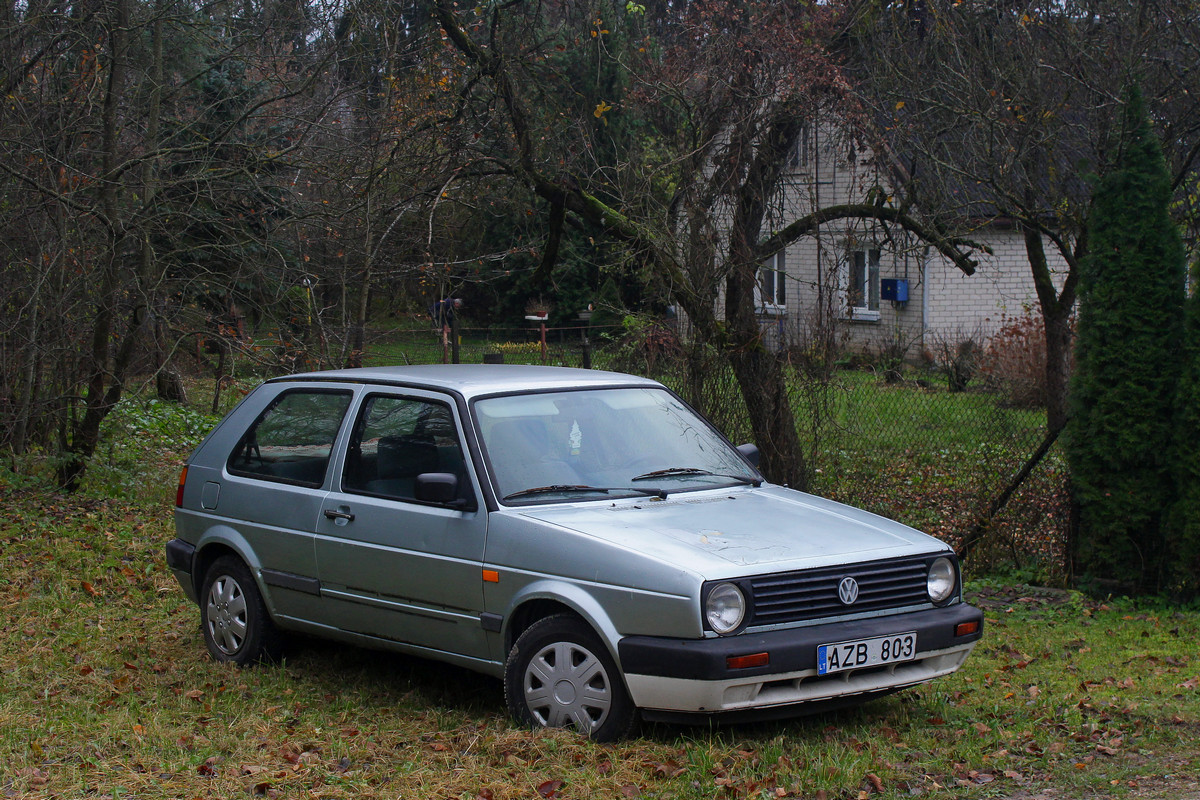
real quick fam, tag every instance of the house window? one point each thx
(771, 291)
(798, 158)
(861, 283)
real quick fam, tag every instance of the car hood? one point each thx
(742, 531)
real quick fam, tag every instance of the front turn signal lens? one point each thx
(966, 628)
(747, 662)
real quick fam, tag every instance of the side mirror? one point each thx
(750, 453)
(438, 487)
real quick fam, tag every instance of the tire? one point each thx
(233, 617)
(560, 675)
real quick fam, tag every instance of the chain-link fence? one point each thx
(898, 442)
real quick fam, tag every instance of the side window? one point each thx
(292, 439)
(395, 439)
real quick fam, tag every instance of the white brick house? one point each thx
(845, 275)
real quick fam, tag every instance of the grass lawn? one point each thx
(106, 690)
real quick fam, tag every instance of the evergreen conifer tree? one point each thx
(1128, 365)
(1184, 522)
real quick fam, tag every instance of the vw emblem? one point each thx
(848, 591)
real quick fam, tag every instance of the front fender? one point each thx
(572, 596)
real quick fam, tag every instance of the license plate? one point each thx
(840, 656)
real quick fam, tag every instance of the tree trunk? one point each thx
(106, 379)
(1056, 307)
(1058, 365)
(761, 380)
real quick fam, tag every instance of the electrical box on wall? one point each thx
(894, 289)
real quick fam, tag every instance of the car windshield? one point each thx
(602, 443)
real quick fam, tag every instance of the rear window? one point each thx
(292, 439)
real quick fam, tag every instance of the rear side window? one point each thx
(292, 439)
(395, 439)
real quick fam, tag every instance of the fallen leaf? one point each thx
(669, 769)
(550, 789)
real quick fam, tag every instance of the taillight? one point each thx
(179, 490)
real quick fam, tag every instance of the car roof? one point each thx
(473, 380)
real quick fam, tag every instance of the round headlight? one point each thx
(724, 608)
(940, 582)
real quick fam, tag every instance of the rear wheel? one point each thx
(560, 675)
(236, 625)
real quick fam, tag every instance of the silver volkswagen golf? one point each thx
(584, 536)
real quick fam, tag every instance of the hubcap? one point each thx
(226, 615)
(566, 686)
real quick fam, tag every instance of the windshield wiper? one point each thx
(674, 472)
(572, 488)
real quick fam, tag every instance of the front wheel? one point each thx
(560, 675)
(237, 627)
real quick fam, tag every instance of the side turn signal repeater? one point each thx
(491, 576)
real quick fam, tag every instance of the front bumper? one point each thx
(692, 676)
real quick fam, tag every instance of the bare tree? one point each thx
(721, 93)
(1004, 111)
(132, 189)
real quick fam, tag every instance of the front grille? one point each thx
(813, 594)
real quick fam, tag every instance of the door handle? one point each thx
(331, 513)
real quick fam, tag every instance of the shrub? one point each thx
(956, 355)
(646, 344)
(1013, 363)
